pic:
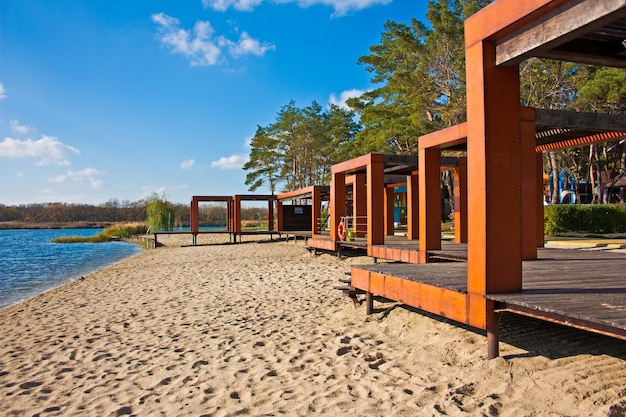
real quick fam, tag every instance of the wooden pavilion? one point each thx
(299, 212)
(233, 214)
(504, 271)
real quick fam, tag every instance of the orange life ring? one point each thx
(341, 230)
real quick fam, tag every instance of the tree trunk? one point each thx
(595, 196)
(554, 198)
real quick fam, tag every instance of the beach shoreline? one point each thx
(258, 329)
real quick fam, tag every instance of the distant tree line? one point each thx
(114, 211)
(418, 70)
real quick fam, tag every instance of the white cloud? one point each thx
(246, 45)
(223, 5)
(341, 7)
(236, 161)
(86, 176)
(47, 150)
(17, 128)
(200, 45)
(343, 97)
(3, 92)
(188, 164)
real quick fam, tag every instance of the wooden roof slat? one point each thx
(568, 23)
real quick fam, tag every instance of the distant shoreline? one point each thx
(54, 225)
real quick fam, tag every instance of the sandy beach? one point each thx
(258, 329)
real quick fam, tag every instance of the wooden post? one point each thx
(529, 184)
(430, 201)
(460, 201)
(375, 211)
(493, 334)
(316, 210)
(494, 176)
(369, 303)
(270, 216)
(412, 197)
(237, 214)
(338, 204)
(389, 211)
(359, 200)
(539, 200)
(193, 215)
(279, 216)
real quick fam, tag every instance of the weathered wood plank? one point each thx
(561, 25)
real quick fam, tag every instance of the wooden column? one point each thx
(539, 200)
(375, 211)
(279, 215)
(359, 201)
(389, 211)
(494, 178)
(193, 215)
(230, 215)
(337, 204)
(529, 184)
(460, 201)
(270, 215)
(429, 201)
(412, 197)
(316, 210)
(237, 214)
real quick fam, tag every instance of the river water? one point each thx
(30, 263)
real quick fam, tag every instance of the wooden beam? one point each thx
(445, 138)
(566, 119)
(555, 28)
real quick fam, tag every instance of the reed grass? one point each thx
(115, 232)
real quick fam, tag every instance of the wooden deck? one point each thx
(395, 248)
(579, 288)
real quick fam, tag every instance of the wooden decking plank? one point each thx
(560, 283)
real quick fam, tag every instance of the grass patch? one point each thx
(115, 232)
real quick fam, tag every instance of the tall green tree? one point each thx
(298, 149)
(420, 71)
(264, 165)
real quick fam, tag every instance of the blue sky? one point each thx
(112, 99)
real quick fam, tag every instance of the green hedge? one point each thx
(585, 219)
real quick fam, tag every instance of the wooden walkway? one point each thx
(395, 248)
(579, 288)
